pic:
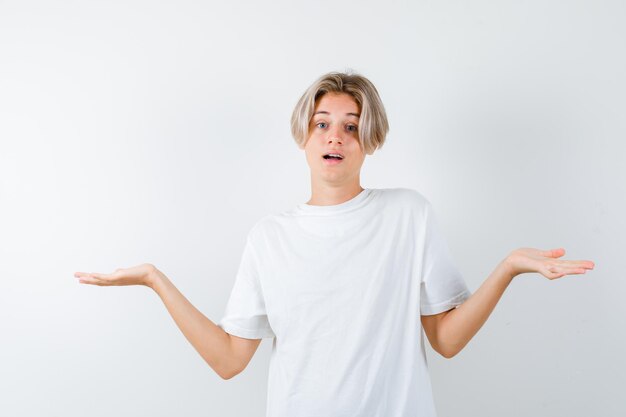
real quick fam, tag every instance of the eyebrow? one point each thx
(347, 114)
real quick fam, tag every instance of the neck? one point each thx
(329, 195)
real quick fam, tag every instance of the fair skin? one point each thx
(450, 331)
(334, 127)
(332, 130)
(226, 354)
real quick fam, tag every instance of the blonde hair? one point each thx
(373, 124)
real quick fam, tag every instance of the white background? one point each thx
(158, 132)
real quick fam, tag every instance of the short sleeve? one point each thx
(245, 315)
(442, 285)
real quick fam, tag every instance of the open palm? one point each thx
(136, 275)
(545, 262)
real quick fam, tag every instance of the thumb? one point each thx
(554, 253)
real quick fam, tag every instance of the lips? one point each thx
(332, 161)
(332, 152)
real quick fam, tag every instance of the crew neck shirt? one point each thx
(340, 289)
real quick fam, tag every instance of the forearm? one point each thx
(209, 340)
(461, 324)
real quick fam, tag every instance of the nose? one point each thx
(334, 135)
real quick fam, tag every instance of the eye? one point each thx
(354, 128)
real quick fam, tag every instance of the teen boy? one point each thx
(344, 283)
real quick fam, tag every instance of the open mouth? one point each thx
(332, 159)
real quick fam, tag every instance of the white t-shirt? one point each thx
(341, 289)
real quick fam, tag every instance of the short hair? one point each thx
(373, 125)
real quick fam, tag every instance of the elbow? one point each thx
(231, 372)
(450, 348)
(225, 375)
(224, 370)
(445, 351)
(449, 352)
(227, 367)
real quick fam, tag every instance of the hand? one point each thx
(136, 275)
(525, 260)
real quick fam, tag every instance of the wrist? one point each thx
(153, 278)
(507, 268)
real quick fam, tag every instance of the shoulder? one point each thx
(259, 226)
(405, 196)
(266, 227)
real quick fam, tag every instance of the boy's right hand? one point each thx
(136, 275)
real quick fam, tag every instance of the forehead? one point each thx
(337, 103)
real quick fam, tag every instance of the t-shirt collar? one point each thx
(351, 204)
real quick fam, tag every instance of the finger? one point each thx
(552, 273)
(87, 280)
(554, 253)
(565, 270)
(577, 264)
(88, 274)
(102, 279)
(93, 278)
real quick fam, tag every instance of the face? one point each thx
(334, 128)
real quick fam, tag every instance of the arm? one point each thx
(228, 355)
(450, 331)
(430, 324)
